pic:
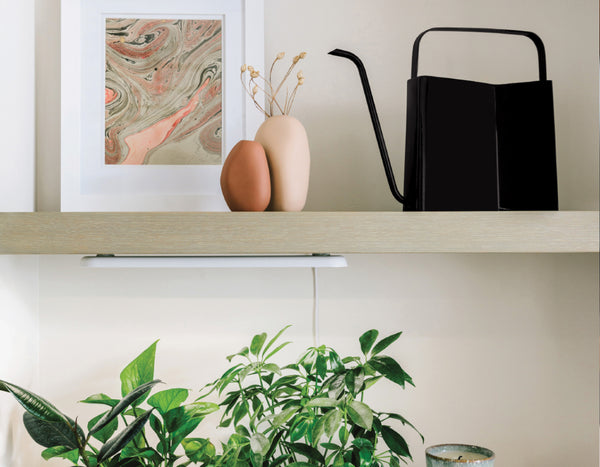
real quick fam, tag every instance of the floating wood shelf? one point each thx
(188, 233)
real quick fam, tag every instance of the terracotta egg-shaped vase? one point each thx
(245, 179)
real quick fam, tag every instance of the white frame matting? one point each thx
(87, 183)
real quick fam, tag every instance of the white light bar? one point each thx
(294, 261)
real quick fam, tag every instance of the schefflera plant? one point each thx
(169, 418)
(311, 412)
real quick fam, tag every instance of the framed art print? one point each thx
(151, 100)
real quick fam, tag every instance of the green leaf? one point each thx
(177, 417)
(121, 440)
(272, 367)
(104, 434)
(138, 372)
(61, 451)
(276, 349)
(367, 340)
(34, 404)
(199, 450)
(178, 435)
(332, 420)
(51, 434)
(391, 369)
(257, 343)
(343, 434)
(321, 366)
(144, 453)
(273, 340)
(404, 421)
(366, 458)
(241, 353)
(322, 402)
(361, 414)
(101, 399)
(362, 443)
(307, 451)
(259, 444)
(385, 343)
(123, 404)
(318, 430)
(298, 430)
(395, 442)
(164, 401)
(284, 416)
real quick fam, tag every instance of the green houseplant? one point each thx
(104, 445)
(310, 412)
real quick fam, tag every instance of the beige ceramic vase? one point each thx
(286, 145)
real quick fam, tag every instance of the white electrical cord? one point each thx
(315, 316)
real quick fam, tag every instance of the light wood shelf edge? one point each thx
(299, 233)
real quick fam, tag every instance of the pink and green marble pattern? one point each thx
(163, 99)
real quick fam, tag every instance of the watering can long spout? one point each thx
(374, 119)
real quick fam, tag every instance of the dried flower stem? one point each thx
(252, 86)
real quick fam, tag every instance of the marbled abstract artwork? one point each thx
(163, 97)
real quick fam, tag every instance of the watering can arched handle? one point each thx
(374, 119)
(539, 45)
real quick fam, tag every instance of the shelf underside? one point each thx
(189, 233)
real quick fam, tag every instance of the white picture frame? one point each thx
(87, 183)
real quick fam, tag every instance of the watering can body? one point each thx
(474, 146)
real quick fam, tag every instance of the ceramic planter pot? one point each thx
(286, 146)
(245, 181)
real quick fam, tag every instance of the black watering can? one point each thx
(473, 146)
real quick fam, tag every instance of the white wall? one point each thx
(18, 275)
(526, 326)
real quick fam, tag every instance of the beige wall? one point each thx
(503, 348)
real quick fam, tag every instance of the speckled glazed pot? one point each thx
(459, 455)
(288, 154)
(245, 180)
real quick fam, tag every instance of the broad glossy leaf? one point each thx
(107, 431)
(272, 367)
(335, 361)
(367, 340)
(395, 441)
(361, 414)
(259, 444)
(102, 399)
(321, 366)
(318, 430)
(391, 369)
(163, 401)
(257, 343)
(179, 416)
(385, 343)
(51, 434)
(301, 464)
(34, 404)
(322, 402)
(143, 453)
(284, 416)
(123, 404)
(366, 458)
(299, 430)
(138, 372)
(119, 441)
(343, 435)
(198, 449)
(332, 420)
(61, 451)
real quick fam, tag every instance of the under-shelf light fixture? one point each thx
(273, 261)
(313, 261)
